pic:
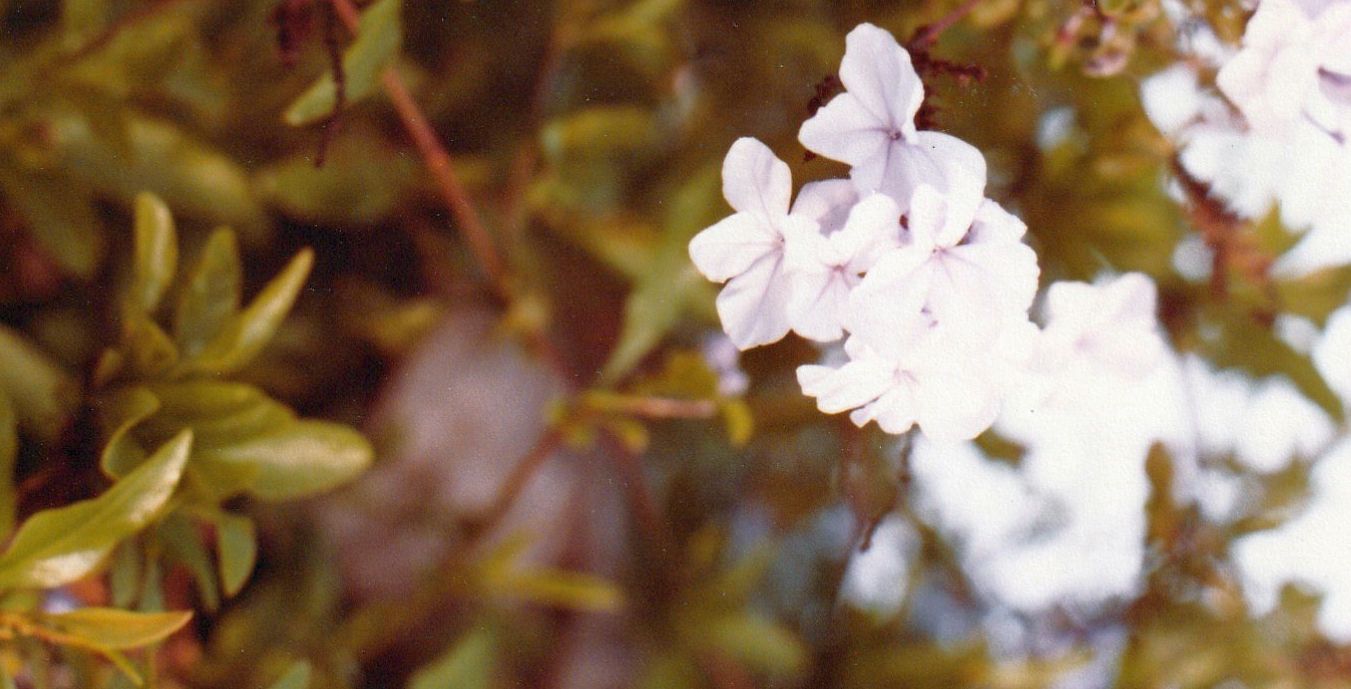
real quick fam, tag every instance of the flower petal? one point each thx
(818, 303)
(730, 246)
(827, 202)
(852, 385)
(753, 306)
(877, 71)
(954, 406)
(755, 181)
(844, 130)
(872, 229)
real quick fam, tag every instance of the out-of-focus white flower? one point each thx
(824, 269)
(1332, 354)
(1104, 328)
(965, 267)
(876, 579)
(871, 126)
(1280, 135)
(1294, 66)
(1310, 549)
(745, 250)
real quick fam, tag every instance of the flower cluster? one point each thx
(1277, 129)
(925, 281)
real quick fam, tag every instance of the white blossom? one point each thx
(927, 386)
(825, 268)
(871, 125)
(965, 266)
(746, 249)
(1294, 65)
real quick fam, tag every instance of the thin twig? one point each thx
(520, 476)
(929, 33)
(438, 163)
(641, 504)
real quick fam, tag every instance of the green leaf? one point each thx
(9, 454)
(467, 665)
(301, 459)
(218, 412)
(237, 550)
(43, 395)
(600, 130)
(156, 254)
(194, 178)
(151, 351)
(117, 630)
(245, 335)
(377, 44)
(119, 412)
(211, 296)
(663, 292)
(183, 543)
(60, 216)
(58, 546)
(755, 641)
(124, 575)
(363, 181)
(571, 590)
(296, 677)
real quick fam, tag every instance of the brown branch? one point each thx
(520, 476)
(928, 34)
(643, 508)
(438, 162)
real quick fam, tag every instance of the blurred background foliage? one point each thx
(570, 486)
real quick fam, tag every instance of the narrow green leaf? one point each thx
(570, 590)
(296, 677)
(212, 294)
(150, 350)
(304, 458)
(124, 576)
(119, 412)
(9, 454)
(156, 254)
(377, 43)
(183, 543)
(43, 395)
(237, 550)
(467, 665)
(114, 629)
(58, 546)
(249, 331)
(219, 412)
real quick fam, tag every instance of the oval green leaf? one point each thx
(58, 546)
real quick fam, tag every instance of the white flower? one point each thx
(828, 202)
(1107, 328)
(965, 267)
(745, 250)
(825, 268)
(1294, 65)
(1332, 354)
(928, 386)
(871, 125)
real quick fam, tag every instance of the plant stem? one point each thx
(928, 34)
(438, 163)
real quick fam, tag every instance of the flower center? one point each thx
(894, 135)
